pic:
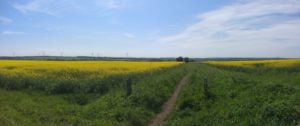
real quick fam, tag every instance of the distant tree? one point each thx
(186, 59)
(180, 59)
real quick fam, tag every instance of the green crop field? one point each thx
(149, 62)
(254, 93)
(51, 93)
(55, 93)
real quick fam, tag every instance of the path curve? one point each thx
(169, 104)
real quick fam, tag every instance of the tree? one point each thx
(180, 59)
(186, 59)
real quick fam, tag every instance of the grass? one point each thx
(88, 105)
(240, 95)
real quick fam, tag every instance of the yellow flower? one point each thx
(14, 68)
(253, 63)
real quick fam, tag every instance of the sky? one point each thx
(150, 28)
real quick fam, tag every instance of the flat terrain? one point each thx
(168, 105)
(262, 92)
(85, 92)
(255, 93)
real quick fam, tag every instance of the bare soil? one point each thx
(169, 104)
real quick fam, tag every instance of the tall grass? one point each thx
(83, 102)
(258, 95)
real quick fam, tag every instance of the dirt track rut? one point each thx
(169, 104)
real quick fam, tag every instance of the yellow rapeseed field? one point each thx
(253, 63)
(98, 68)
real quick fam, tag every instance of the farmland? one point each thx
(264, 92)
(253, 63)
(254, 92)
(150, 63)
(83, 92)
(68, 76)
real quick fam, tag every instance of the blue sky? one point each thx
(151, 28)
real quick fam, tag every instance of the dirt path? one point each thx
(168, 105)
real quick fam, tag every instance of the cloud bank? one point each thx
(255, 28)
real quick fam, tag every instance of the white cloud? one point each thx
(114, 4)
(57, 7)
(12, 33)
(247, 28)
(50, 7)
(111, 33)
(129, 35)
(5, 20)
